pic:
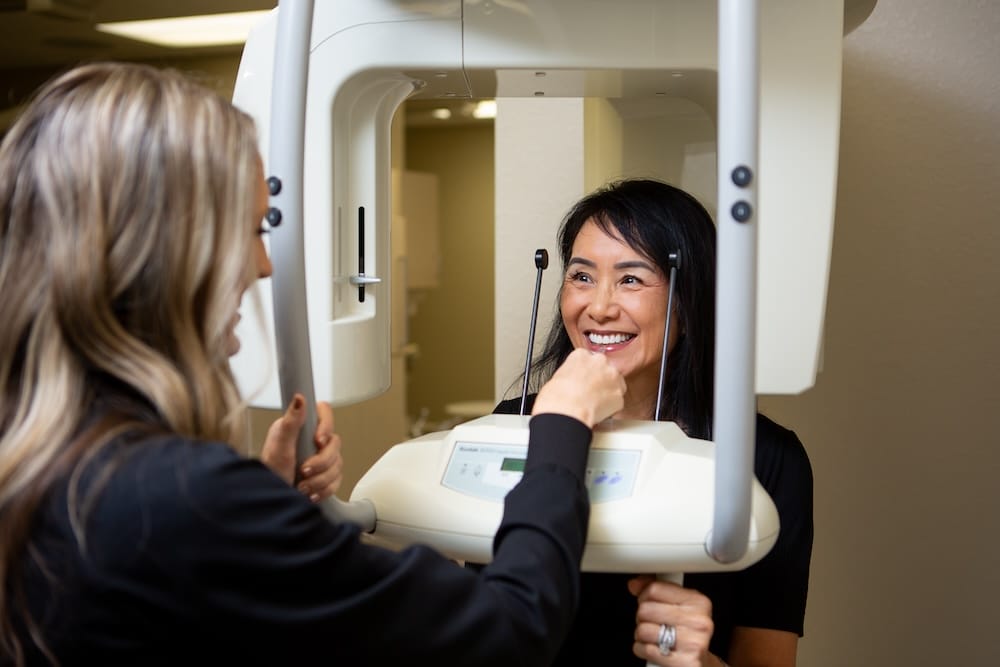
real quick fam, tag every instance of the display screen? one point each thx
(512, 465)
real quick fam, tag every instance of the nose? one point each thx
(603, 306)
(264, 267)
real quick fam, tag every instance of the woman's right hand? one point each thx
(664, 604)
(321, 474)
(586, 386)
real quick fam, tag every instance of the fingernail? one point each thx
(307, 471)
(314, 497)
(297, 403)
(324, 439)
(303, 488)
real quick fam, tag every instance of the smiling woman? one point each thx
(618, 246)
(614, 301)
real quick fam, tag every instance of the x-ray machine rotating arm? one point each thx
(288, 284)
(736, 304)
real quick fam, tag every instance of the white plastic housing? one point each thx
(367, 56)
(662, 525)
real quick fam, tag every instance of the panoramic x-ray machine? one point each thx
(324, 83)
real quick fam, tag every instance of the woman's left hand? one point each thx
(666, 605)
(320, 475)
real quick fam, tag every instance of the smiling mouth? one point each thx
(609, 339)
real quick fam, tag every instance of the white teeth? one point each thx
(609, 339)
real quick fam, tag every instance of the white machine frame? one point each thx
(365, 57)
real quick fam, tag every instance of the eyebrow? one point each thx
(631, 264)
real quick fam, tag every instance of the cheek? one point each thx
(653, 319)
(570, 307)
(647, 308)
(573, 300)
(572, 310)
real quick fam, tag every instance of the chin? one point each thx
(623, 366)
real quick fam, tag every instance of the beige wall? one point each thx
(539, 174)
(903, 423)
(452, 325)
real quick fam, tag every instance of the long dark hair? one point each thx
(656, 219)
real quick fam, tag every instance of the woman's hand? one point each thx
(688, 612)
(320, 475)
(586, 386)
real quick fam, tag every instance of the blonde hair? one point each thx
(126, 195)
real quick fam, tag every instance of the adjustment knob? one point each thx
(273, 216)
(742, 176)
(741, 211)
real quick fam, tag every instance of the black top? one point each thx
(769, 594)
(194, 553)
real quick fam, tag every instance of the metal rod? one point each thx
(541, 263)
(735, 409)
(675, 262)
(288, 284)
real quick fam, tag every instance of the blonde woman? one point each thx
(133, 532)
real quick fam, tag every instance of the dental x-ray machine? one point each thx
(769, 75)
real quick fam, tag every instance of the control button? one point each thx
(273, 185)
(741, 211)
(742, 176)
(273, 217)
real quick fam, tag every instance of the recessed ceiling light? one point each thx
(485, 109)
(189, 31)
(441, 113)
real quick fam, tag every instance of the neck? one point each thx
(638, 405)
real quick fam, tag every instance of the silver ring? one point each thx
(667, 639)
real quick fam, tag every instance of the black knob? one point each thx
(742, 176)
(274, 185)
(273, 216)
(741, 211)
(541, 258)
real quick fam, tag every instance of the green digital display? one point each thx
(512, 465)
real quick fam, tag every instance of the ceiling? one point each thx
(56, 33)
(41, 37)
